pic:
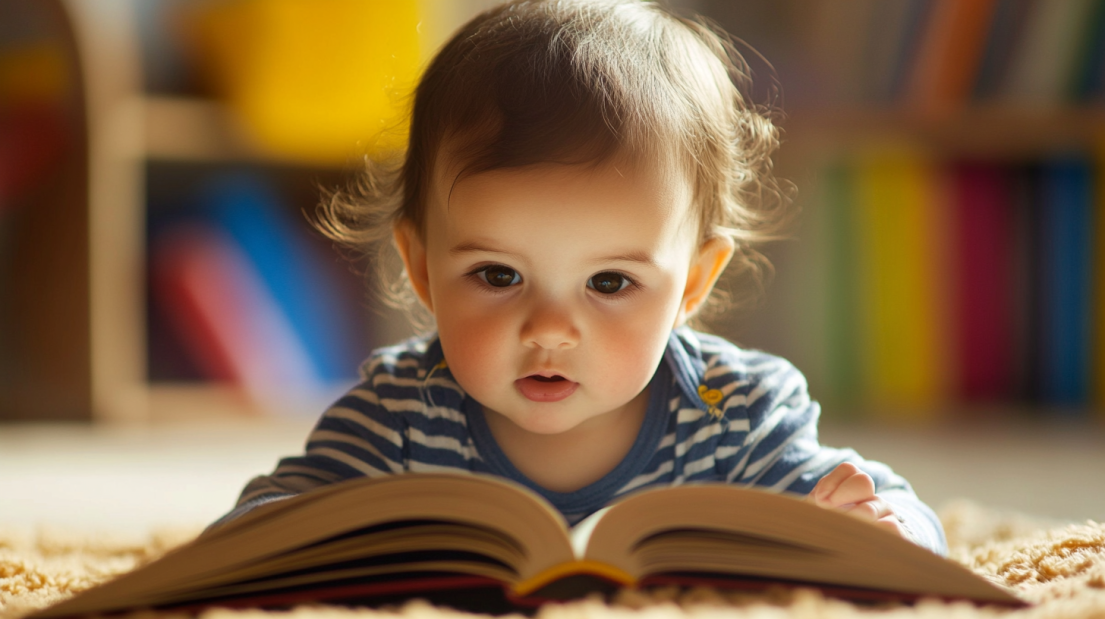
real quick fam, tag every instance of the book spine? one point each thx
(1006, 32)
(1089, 61)
(1097, 376)
(983, 269)
(321, 312)
(229, 322)
(951, 53)
(891, 46)
(841, 330)
(1065, 256)
(1043, 66)
(904, 347)
(1027, 277)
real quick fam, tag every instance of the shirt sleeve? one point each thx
(773, 433)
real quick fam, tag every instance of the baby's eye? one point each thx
(608, 282)
(499, 276)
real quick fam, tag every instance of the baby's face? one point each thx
(555, 287)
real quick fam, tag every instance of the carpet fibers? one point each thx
(1059, 567)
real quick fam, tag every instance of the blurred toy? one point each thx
(323, 82)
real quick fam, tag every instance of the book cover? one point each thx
(982, 272)
(902, 238)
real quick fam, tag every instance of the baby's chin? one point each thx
(543, 418)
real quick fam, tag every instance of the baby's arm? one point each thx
(852, 491)
(355, 437)
(772, 443)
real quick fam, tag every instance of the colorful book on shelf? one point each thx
(892, 44)
(485, 544)
(1097, 368)
(842, 60)
(949, 53)
(1066, 289)
(300, 278)
(1005, 33)
(224, 315)
(1088, 78)
(1027, 274)
(901, 239)
(982, 271)
(837, 267)
(1044, 64)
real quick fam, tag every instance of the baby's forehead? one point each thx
(548, 192)
(451, 167)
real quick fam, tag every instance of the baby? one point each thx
(579, 175)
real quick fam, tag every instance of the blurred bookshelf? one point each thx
(846, 104)
(947, 157)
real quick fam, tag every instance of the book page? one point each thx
(748, 532)
(275, 530)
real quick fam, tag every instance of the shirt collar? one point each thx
(684, 357)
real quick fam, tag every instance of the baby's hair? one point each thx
(577, 82)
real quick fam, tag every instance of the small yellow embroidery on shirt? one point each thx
(711, 397)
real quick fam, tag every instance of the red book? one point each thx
(982, 312)
(228, 321)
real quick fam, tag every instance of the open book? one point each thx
(483, 543)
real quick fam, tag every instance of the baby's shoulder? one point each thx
(410, 381)
(727, 362)
(409, 360)
(744, 378)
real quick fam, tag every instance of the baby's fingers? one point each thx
(845, 485)
(879, 512)
(892, 523)
(874, 510)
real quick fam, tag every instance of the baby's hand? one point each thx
(853, 492)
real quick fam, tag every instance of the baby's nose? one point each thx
(550, 327)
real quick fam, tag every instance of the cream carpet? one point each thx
(1059, 567)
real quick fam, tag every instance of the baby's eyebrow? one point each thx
(638, 256)
(642, 257)
(473, 247)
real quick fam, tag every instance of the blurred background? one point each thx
(160, 283)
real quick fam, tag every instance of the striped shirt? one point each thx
(716, 412)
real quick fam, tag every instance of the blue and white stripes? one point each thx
(409, 415)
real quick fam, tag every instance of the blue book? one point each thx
(301, 279)
(1066, 256)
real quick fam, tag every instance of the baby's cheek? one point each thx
(474, 351)
(632, 354)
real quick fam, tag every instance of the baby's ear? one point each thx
(413, 252)
(706, 267)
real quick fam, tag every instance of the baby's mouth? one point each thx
(538, 388)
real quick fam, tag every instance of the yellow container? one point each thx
(323, 81)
